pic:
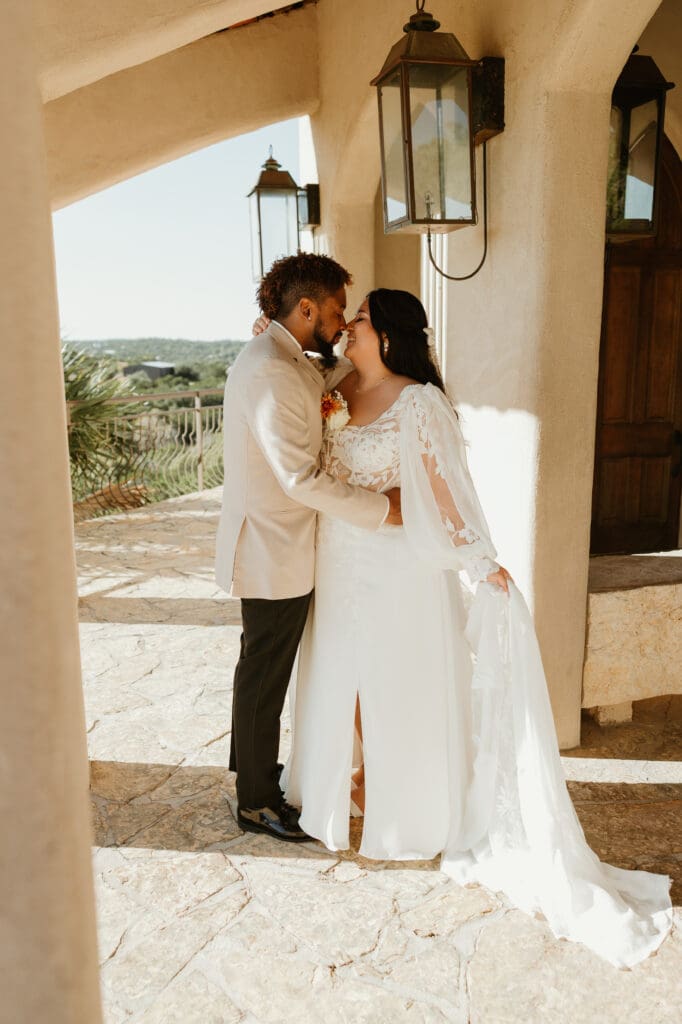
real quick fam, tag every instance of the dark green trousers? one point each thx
(270, 638)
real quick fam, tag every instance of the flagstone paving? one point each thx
(201, 924)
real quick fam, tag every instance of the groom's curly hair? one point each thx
(303, 276)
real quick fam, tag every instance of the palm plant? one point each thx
(102, 443)
(126, 454)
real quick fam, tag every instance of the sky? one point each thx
(167, 253)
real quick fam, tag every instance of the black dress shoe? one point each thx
(288, 813)
(281, 823)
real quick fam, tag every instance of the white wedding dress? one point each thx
(460, 752)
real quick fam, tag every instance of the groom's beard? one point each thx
(324, 347)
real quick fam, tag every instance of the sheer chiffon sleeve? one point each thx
(443, 519)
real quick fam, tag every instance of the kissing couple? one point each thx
(348, 515)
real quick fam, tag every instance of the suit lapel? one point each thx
(292, 350)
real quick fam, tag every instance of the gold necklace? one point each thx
(372, 386)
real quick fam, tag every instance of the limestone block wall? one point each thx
(634, 645)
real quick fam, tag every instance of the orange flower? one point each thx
(334, 409)
(331, 403)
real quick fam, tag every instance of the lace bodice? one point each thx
(370, 456)
(367, 456)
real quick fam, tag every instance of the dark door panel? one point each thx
(638, 455)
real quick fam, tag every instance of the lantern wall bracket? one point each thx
(467, 277)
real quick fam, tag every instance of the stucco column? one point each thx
(48, 955)
(349, 238)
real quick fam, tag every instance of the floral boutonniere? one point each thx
(334, 409)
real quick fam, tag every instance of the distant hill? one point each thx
(168, 350)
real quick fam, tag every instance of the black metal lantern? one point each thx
(280, 210)
(636, 130)
(274, 217)
(435, 104)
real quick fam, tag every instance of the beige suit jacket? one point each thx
(273, 487)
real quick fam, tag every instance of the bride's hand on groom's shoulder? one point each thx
(260, 325)
(501, 578)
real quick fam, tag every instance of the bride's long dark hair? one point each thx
(400, 317)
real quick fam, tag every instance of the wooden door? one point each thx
(638, 457)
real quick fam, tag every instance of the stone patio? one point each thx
(201, 924)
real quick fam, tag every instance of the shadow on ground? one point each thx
(169, 807)
(171, 611)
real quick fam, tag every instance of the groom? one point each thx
(273, 490)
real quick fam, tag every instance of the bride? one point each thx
(447, 691)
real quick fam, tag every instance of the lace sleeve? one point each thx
(441, 512)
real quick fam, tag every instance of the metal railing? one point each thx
(143, 453)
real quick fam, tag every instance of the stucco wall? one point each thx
(397, 257)
(82, 41)
(205, 92)
(48, 965)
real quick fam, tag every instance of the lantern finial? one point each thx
(422, 21)
(271, 164)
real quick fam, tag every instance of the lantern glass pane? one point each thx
(441, 142)
(395, 190)
(641, 167)
(278, 225)
(256, 266)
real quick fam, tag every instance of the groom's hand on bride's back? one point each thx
(394, 517)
